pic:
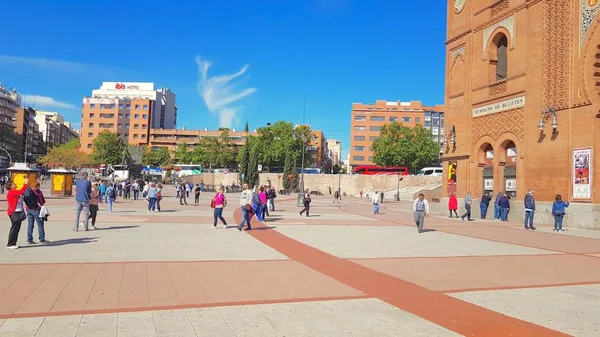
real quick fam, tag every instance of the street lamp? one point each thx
(547, 113)
(9, 157)
(399, 179)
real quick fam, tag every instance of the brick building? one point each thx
(30, 142)
(368, 119)
(171, 138)
(523, 102)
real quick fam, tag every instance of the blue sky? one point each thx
(333, 52)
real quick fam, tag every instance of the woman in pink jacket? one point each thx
(263, 202)
(220, 202)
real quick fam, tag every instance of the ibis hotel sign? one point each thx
(509, 104)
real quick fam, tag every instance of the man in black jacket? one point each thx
(271, 195)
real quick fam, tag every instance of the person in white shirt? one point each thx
(421, 211)
(245, 199)
(376, 200)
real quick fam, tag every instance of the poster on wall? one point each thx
(511, 185)
(488, 184)
(452, 177)
(582, 174)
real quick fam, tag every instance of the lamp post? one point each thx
(547, 113)
(399, 179)
(9, 157)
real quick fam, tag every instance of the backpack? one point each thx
(111, 193)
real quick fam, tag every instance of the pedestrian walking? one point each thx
(306, 201)
(453, 205)
(111, 196)
(219, 202)
(246, 205)
(182, 195)
(83, 191)
(558, 211)
(271, 198)
(504, 204)
(421, 211)
(361, 193)
(34, 200)
(94, 196)
(529, 210)
(152, 196)
(381, 199)
(263, 202)
(484, 204)
(135, 187)
(197, 195)
(159, 188)
(102, 189)
(497, 206)
(376, 200)
(468, 204)
(16, 213)
(336, 197)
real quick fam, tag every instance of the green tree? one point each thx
(108, 149)
(182, 155)
(400, 145)
(253, 176)
(156, 157)
(290, 173)
(244, 158)
(66, 155)
(276, 140)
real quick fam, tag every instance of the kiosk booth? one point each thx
(21, 174)
(61, 182)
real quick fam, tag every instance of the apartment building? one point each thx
(130, 110)
(29, 139)
(10, 100)
(171, 138)
(334, 147)
(318, 152)
(54, 129)
(368, 119)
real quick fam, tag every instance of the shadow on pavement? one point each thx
(428, 230)
(114, 227)
(75, 241)
(263, 228)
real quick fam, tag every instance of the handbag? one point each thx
(18, 216)
(213, 203)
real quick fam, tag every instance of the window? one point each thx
(144, 136)
(359, 128)
(372, 138)
(136, 126)
(427, 124)
(92, 106)
(136, 116)
(127, 126)
(112, 106)
(501, 65)
(377, 119)
(137, 106)
(128, 106)
(91, 125)
(92, 115)
(393, 119)
(120, 125)
(436, 122)
(102, 106)
(120, 115)
(145, 106)
(371, 159)
(111, 126)
(359, 138)
(135, 136)
(90, 135)
(127, 116)
(360, 118)
(405, 119)
(417, 120)
(144, 126)
(120, 106)
(144, 116)
(375, 128)
(89, 146)
(359, 148)
(358, 158)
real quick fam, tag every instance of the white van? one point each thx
(431, 171)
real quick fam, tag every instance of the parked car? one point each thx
(431, 171)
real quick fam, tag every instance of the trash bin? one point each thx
(300, 200)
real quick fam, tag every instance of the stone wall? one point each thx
(349, 184)
(578, 215)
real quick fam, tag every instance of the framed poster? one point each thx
(511, 185)
(582, 174)
(488, 184)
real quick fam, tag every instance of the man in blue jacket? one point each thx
(529, 210)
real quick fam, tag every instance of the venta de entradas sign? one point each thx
(509, 104)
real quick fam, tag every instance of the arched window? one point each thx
(502, 61)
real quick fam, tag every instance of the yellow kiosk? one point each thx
(61, 182)
(22, 174)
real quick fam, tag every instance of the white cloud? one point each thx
(219, 93)
(62, 66)
(44, 101)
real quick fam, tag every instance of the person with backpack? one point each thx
(34, 200)
(272, 195)
(257, 205)
(306, 201)
(218, 203)
(111, 196)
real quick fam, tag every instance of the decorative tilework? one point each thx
(460, 50)
(587, 17)
(509, 24)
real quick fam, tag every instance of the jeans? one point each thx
(244, 219)
(93, 213)
(82, 206)
(484, 208)
(271, 204)
(152, 203)
(34, 215)
(110, 202)
(496, 212)
(258, 211)
(529, 219)
(136, 194)
(419, 220)
(264, 211)
(375, 208)
(467, 213)
(100, 196)
(558, 220)
(158, 204)
(218, 214)
(504, 214)
(306, 209)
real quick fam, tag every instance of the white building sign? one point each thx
(133, 86)
(88, 100)
(509, 104)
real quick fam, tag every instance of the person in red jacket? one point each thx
(16, 213)
(453, 204)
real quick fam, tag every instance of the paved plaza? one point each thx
(343, 271)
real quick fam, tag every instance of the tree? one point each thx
(275, 141)
(290, 174)
(108, 149)
(66, 155)
(156, 157)
(400, 145)
(244, 158)
(182, 155)
(253, 177)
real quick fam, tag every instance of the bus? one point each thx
(187, 169)
(380, 170)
